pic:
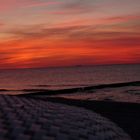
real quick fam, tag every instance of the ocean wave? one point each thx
(77, 89)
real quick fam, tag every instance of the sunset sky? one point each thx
(46, 33)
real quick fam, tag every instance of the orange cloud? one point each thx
(55, 52)
(77, 37)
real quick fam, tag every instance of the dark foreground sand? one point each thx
(24, 118)
(125, 115)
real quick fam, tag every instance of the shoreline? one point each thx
(124, 114)
(44, 92)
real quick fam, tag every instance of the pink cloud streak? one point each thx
(37, 4)
(123, 18)
(8, 5)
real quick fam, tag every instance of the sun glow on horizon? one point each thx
(44, 33)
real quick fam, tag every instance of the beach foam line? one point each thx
(79, 89)
(24, 118)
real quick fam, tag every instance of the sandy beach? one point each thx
(26, 118)
(125, 115)
(122, 109)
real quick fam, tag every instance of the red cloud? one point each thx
(8, 4)
(41, 52)
(123, 18)
(1, 24)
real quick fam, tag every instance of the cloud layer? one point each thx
(39, 33)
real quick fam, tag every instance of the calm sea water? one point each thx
(59, 78)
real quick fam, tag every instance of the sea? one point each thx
(19, 81)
